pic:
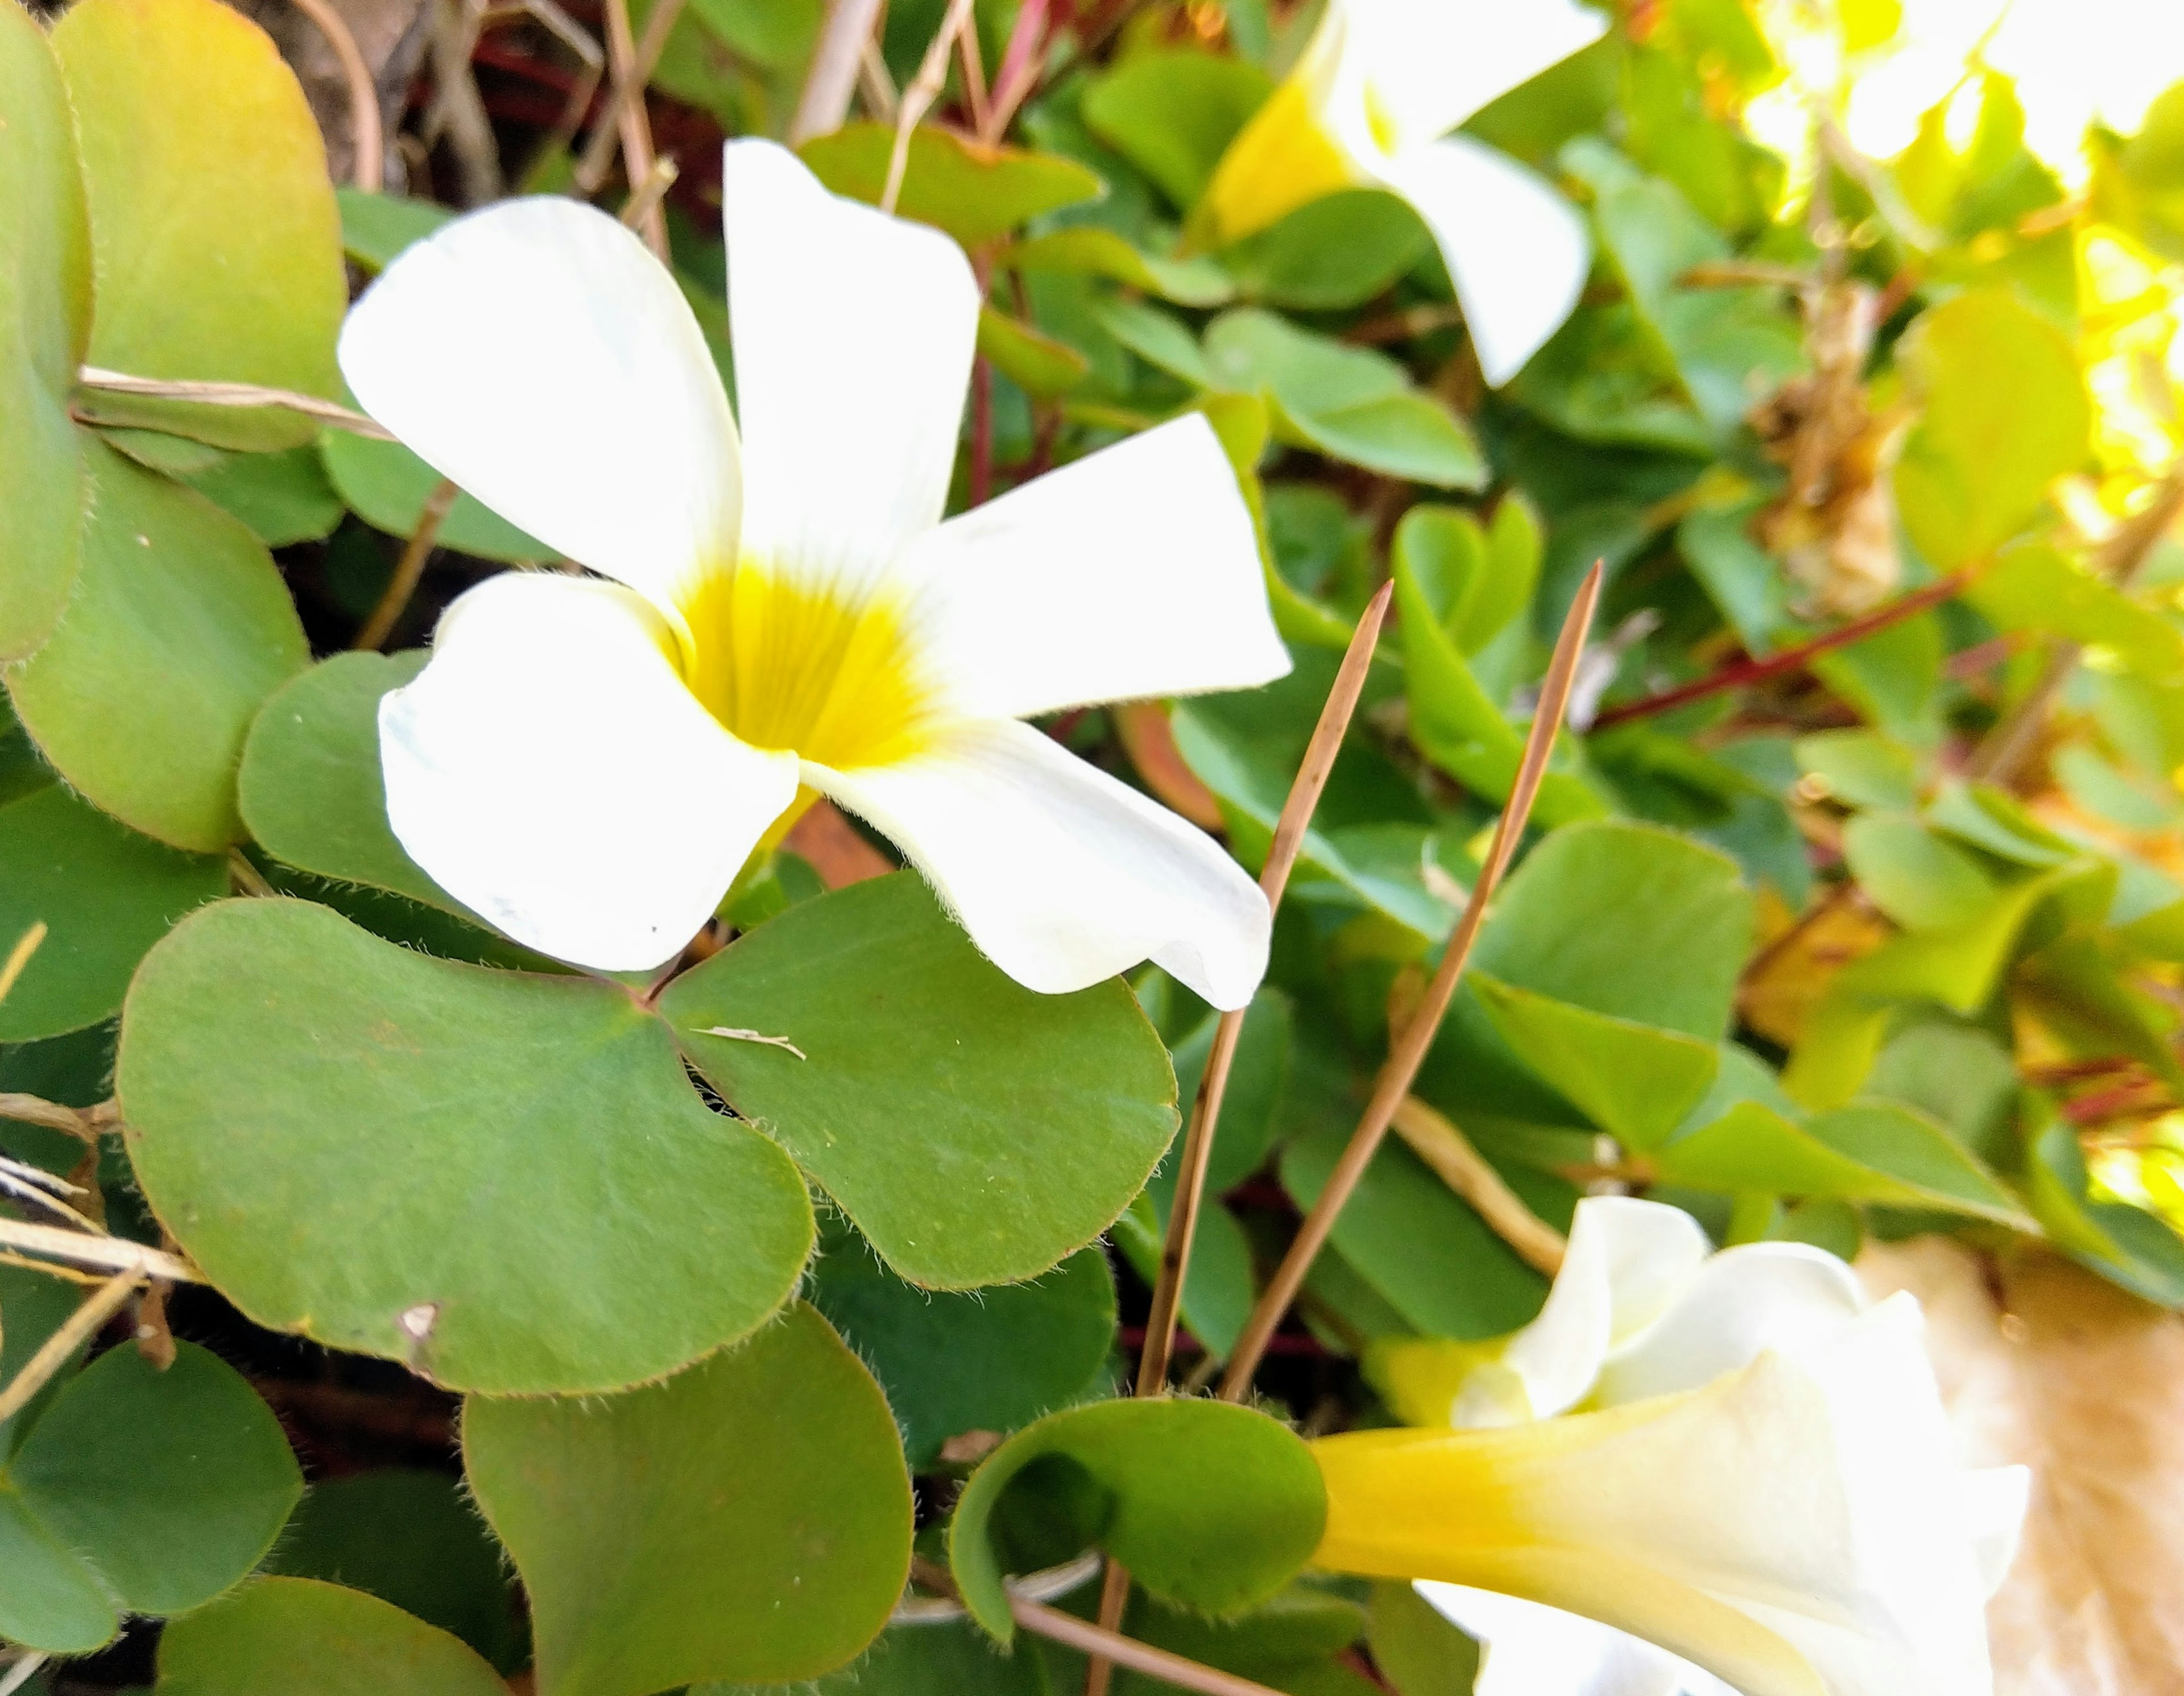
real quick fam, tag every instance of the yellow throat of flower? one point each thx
(786, 664)
(1283, 159)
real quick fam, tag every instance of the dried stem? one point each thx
(367, 143)
(1407, 1052)
(106, 1254)
(1018, 72)
(409, 569)
(79, 1122)
(19, 1673)
(1746, 673)
(19, 957)
(79, 1328)
(832, 78)
(599, 146)
(1139, 1657)
(1436, 1139)
(234, 394)
(917, 99)
(457, 108)
(645, 197)
(631, 123)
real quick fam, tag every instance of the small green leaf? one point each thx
(1910, 1147)
(1172, 113)
(990, 1360)
(1416, 1650)
(297, 1637)
(1087, 250)
(215, 235)
(1337, 251)
(1211, 1505)
(1916, 876)
(179, 627)
(45, 321)
(1035, 361)
(164, 1487)
(2006, 414)
(1628, 920)
(1218, 1287)
(975, 1131)
(105, 895)
(749, 1519)
(2033, 587)
(1635, 1081)
(284, 498)
(33, 1306)
(311, 789)
(410, 1537)
(501, 1178)
(387, 486)
(1860, 768)
(973, 191)
(375, 226)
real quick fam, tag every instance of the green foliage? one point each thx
(749, 1519)
(973, 192)
(139, 1492)
(900, 1021)
(297, 1637)
(1210, 1505)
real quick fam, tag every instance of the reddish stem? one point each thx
(1746, 671)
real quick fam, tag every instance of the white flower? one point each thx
(1370, 104)
(588, 763)
(1727, 1459)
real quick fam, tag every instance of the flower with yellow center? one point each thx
(1727, 1459)
(1370, 105)
(780, 612)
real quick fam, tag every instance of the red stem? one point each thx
(1746, 671)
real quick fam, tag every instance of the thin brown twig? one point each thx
(824, 102)
(1158, 1348)
(1408, 1051)
(77, 1122)
(917, 99)
(409, 569)
(367, 141)
(19, 957)
(648, 194)
(1436, 1139)
(631, 124)
(1746, 673)
(1139, 1657)
(79, 1328)
(599, 146)
(233, 394)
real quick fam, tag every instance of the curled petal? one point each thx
(1517, 251)
(1062, 875)
(1431, 63)
(1526, 1650)
(1131, 572)
(551, 771)
(853, 335)
(537, 355)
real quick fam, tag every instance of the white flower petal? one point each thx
(1517, 251)
(551, 771)
(1062, 875)
(1431, 63)
(1131, 572)
(853, 335)
(1796, 1528)
(1627, 1261)
(1527, 1649)
(1745, 1300)
(536, 353)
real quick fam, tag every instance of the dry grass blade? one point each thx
(630, 123)
(366, 141)
(53, 1115)
(1139, 1657)
(234, 394)
(409, 569)
(1436, 1139)
(19, 957)
(832, 78)
(1319, 757)
(79, 1328)
(1409, 1049)
(104, 1253)
(600, 147)
(19, 1674)
(917, 99)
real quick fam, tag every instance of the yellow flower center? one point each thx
(783, 664)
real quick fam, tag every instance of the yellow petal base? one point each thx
(1280, 160)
